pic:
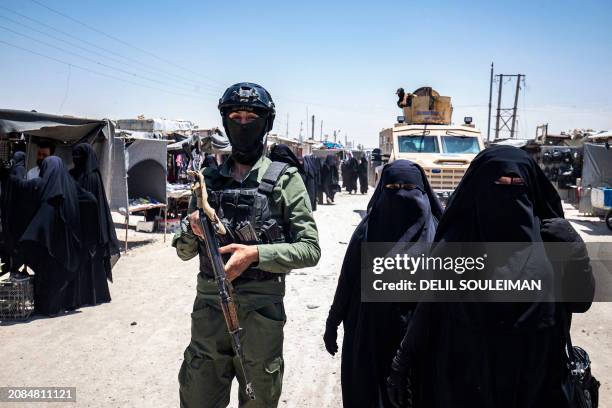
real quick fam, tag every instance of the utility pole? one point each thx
(301, 128)
(490, 100)
(506, 117)
(321, 133)
(306, 122)
(500, 86)
(334, 136)
(516, 96)
(313, 120)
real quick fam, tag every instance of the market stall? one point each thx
(142, 187)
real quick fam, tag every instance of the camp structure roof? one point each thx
(63, 129)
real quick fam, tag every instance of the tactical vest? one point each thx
(248, 219)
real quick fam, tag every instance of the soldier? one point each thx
(265, 207)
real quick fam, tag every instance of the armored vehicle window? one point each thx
(460, 144)
(418, 144)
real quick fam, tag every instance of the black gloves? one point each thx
(558, 230)
(398, 386)
(330, 337)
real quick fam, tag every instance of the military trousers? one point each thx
(210, 365)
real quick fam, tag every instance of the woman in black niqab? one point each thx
(98, 230)
(363, 175)
(506, 355)
(51, 242)
(329, 178)
(403, 208)
(312, 180)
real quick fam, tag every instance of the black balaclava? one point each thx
(247, 140)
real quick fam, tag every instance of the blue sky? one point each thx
(341, 61)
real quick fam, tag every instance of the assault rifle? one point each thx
(211, 225)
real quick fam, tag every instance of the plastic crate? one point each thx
(16, 299)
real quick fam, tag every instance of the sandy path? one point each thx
(116, 364)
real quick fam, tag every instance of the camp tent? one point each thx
(65, 132)
(596, 172)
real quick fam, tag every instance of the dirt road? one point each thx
(127, 353)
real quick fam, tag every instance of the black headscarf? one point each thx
(87, 175)
(373, 331)
(282, 153)
(55, 226)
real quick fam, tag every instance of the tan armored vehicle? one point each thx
(425, 135)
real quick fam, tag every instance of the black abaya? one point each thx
(98, 229)
(351, 175)
(329, 177)
(51, 241)
(16, 209)
(506, 355)
(312, 179)
(362, 173)
(373, 331)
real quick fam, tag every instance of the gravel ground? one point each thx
(127, 353)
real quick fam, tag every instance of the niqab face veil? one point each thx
(403, 207)
(482, 211)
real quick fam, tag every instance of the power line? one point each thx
(139, 66)
(109, 51)
(98, 72)
(67, 89)
(90, 59)
(120, 40)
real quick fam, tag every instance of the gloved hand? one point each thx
(558, 230)
(398, 387)
(330, 337)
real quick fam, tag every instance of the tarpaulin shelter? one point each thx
(142, 163)
(65, 132)
(596, 172)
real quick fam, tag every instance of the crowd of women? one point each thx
(440, 354)
(59, 226)
(321, 176)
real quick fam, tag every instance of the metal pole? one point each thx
(516, 96)
(321, 133)
(499, 96)
(306, 124)
(312, 130)
(490, 100)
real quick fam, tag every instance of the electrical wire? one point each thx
(67, 89)
(131, 73)
(94, 29)
(131, 60)
(97, 72)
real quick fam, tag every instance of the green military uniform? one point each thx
(209, 363)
